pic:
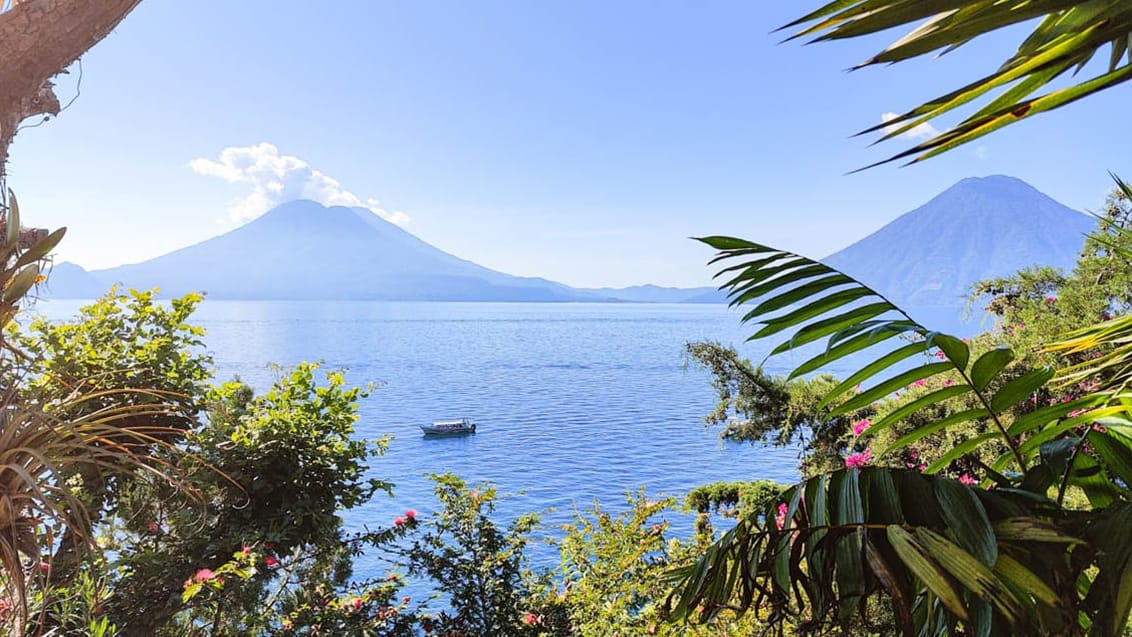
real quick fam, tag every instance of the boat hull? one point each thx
(451, 428)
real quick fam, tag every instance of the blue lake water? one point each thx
(573, 401)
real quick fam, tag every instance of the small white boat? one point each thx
(449, 427)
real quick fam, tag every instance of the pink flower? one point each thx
(967, 479)
(45, 568)
(204, 575)
(1051, 299)
(411, 514)
(859, 459)
(939, 354)
(358, 603)
(920, 383)
(152, 527)
(860, 426)
(948, 382)
(530, 619)
(270, 561)
(780, 519)
(399, 521)
(246, 550)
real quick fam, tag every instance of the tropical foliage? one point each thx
(1065, 37)
(44, 443)
(1010, 529)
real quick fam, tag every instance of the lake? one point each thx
(573, 401)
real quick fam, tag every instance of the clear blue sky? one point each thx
(582, 141)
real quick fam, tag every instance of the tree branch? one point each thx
(39, 39)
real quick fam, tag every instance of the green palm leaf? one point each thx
(812, 301)
(1066, 37)
(973, 554)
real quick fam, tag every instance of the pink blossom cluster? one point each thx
(409, 517)
(859, 459)
(780, 519)
(860, 426)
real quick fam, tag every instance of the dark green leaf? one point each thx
(967, 520)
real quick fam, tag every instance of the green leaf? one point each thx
(20, 284)
(847, 510)
(840, 351)
(730, 243)
(989, 365)
(955, 349)
(41, 248)
(800, 292)
(886, 387)
(915, 557)
(1055, 455)
(825, 327)
(1115, 453)
(753, 285)
(807, 312)
(972, 573)
(883, 499)
(920, 433)
(967, 520)
(870, 370)
(1019, 389)
(1024, 579)
(1031, 529)
(958, 451)
(915, 406)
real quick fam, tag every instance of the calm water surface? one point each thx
(573, 401)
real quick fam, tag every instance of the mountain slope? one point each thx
(303, 250)
(68, 280)
(977, 229)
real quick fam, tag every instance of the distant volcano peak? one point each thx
(979, 228)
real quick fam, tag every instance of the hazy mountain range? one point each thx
(978, 228)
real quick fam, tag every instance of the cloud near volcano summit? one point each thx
(276, 178)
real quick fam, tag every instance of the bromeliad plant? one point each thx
(1003, 554)
(43, 443)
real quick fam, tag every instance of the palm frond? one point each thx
(813, 302)
(941, 551)
(1067, 36)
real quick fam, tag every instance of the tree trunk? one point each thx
(38, 40)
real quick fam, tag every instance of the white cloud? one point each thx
(276, 179)
(919, 131)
